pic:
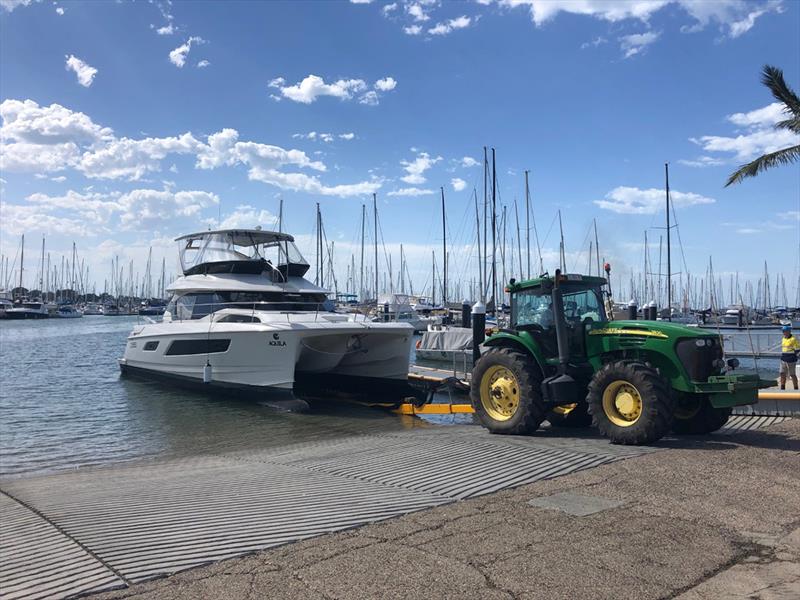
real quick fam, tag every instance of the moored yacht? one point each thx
(27, 309)
(243, 317)
(67, 311)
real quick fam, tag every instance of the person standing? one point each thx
(790, 346)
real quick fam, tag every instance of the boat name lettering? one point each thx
(276, 340)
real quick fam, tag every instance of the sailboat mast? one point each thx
(669, 255)
(527, 224)
(41, 273)
(375, 215)
(485, 222)
(494, 232)
(478, 235)
(444, 253)
(563, 257)
(597, 250)
(21, 262)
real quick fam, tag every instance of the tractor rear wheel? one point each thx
(694, 415)
(630, 403)
(506, 392)
(570, 415)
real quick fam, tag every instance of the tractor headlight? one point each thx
(700, 343)
(733, 363)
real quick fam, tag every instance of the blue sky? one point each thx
(125, 124)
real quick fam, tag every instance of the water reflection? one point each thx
(63, 405)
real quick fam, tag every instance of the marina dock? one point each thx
(106, 528)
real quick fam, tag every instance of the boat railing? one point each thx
(211, 308)
(757, 344)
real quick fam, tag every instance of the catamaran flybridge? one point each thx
(243, 317)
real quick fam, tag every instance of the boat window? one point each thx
(238, 319)
(150, 346)
(199, 346)
(237, 247)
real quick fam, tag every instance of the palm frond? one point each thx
(784, 156)
(792, 124)
(772, 77)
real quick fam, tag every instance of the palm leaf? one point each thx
(772, 77)
(784, 156)
(792, 124)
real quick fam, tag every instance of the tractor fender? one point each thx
(506, 339)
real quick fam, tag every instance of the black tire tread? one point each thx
(529, 379)
(707, 420)
(658, 413)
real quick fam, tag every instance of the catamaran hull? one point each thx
(275, 360)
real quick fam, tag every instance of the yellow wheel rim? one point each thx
(500, 393)
(565, 409)
(622, 403)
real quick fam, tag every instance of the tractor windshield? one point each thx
(583, 307)
(532, 307)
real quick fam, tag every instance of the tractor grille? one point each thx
(699, 361)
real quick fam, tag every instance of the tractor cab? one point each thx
(532, 311)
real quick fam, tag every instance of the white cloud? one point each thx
(10, 5)
(416, 11)
(54, 138)
(313, 87)
(411, 191)
(468, 161)
(760, 117)
(386, 84)
(323, 136)
(132, 159)
(594, 43)
(17, 219)
(631, 200)
(360, 1)
(246, 217)
(458, 184)
(178, 56)
(448, 26)
(702, 161)
(735, 17)
(412, 30)
(416, 168)
(369, 98)
(389, 8)
(633, 44)
(144, 208)
(84, 72)
(747, 146)
(60, 11)
(166, 30)
(203, 64)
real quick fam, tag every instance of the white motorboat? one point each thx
(242, 317)
(5, 304)
(67, 311)
(92, 309)
(397, 308)
(111, 310)
(27, 309)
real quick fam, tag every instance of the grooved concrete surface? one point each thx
(681, 499)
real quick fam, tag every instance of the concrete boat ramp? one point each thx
(98, 529)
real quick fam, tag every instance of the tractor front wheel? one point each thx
(694, 415)
(630, 403)
(570, 415)
(506, 392)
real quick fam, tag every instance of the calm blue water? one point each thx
(63, 405)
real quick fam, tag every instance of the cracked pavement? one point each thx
(712, 517)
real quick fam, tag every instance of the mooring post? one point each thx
(386, 312)
(632, 310)
(466, 315)
(478, 329)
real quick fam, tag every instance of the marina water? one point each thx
(63, 404)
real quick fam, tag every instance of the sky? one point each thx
(127, 124)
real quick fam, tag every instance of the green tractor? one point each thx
(564, 361)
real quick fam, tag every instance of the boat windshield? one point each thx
(225, 247)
